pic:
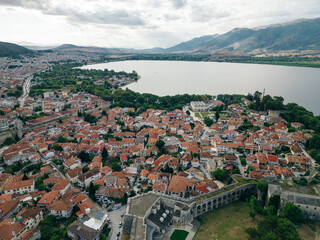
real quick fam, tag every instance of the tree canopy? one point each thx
(220, 174)
(273, 228)
(292, 212)
(264, 103)
(208, 121)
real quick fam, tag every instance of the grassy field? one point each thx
(206, 114)
(309, 231)
(230, 222)
(197, 115)
(179, 235)
(226, 223)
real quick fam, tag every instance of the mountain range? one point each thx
(298, 35)
(301, 34)
(11, 50)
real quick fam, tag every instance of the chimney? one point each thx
(154, 210)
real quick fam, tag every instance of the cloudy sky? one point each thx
(139, 23)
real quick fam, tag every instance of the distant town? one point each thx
(82, 158)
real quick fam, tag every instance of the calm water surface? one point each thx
(296, 84)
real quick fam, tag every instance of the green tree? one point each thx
(292, 212)
(236, 170)
(104, 154)
(8, 141)
(262, 186)
(243, 161)
(84, 156)
(116, 167)
(220, 174)
(252, 214)
(16, 138)
(273, 228)
(208, 121)
(167, 169)
(159, 144)
(92, 191)
(57, 147)
(85, 169)
(61, 139)
(253, 202)
(286, 230)
(272, 210)
(38, 109)
(253, 233)
(188, 112)
(217, 115)
(274, 201)
(132, 193)
(313, 153)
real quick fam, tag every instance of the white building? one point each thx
(19, 187)
(88, 177)
(199, 106)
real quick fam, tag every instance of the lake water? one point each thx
(296, 84)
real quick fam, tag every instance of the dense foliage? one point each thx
(229, 99)
(273, 228)
(296, 113)
(264, 103)
(220, 174)
(162, 56)
(11, 50)
(128, 98)
(208, 121)
(82, 80)
(292, 212)
(69, 75)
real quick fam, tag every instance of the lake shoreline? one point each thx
(168, 78)
(311, 64)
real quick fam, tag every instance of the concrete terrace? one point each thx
(139, 205)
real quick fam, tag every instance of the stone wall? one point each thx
(309, 205)
(207, 204)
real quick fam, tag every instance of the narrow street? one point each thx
(26, 90)
(115, 217)
(240, 165)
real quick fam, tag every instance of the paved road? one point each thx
(115, 217)
(240, 165)
(203, 169)
(26, 89)
(313, 162)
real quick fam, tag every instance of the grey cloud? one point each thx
(171, 17)
(119, 17)
(179, 3)
(104, 16)
(161, 38)
(205, 14)
(33, 4)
